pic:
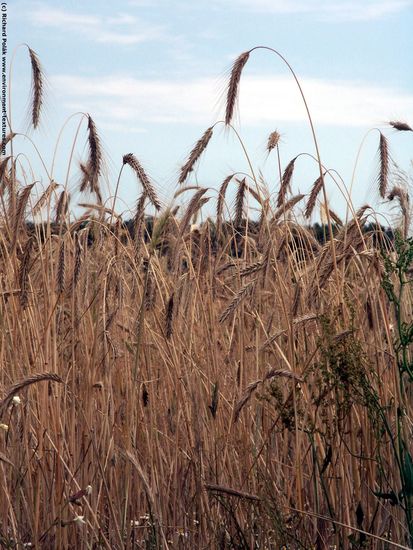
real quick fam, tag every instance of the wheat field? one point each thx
(238, 383)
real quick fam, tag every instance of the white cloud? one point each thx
(120, 28)
(133, 102)
(337, 10)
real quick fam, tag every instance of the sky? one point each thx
(153, 75)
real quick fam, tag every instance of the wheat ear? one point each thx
(384, 165)
(37, 88)
(233, 85)
(285, 185)
(400, 126)
(19, 386)
(136, 166)
(194, 155)
(273, 140)
(315, 190)
(239, 202)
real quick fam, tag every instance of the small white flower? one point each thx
(391, 327)
(79, 520)
(16, 400)
(88, 489)
(134, 523)
(4, 427)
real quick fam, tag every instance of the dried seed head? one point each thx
(95, 159)
(62, 206)
(24, 273)
(401, 126)
(404, 201)
(78, 262)
(336, 219)
(22, 200)
(91, 171)
(239, 202)
(287, 206)
(61, 269)
(37, 88)
(194, 155)
(95, 151)
(384, 165)
(252, 268)
(193, 207)
(84, 182)
(286, 182)
(133, 162)
(273, 140)
(138, 223)
(221, 199)
(45, 196)
(242, 294)
(4, 174)
(317, 186)
(233, 85)
(361, 211)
